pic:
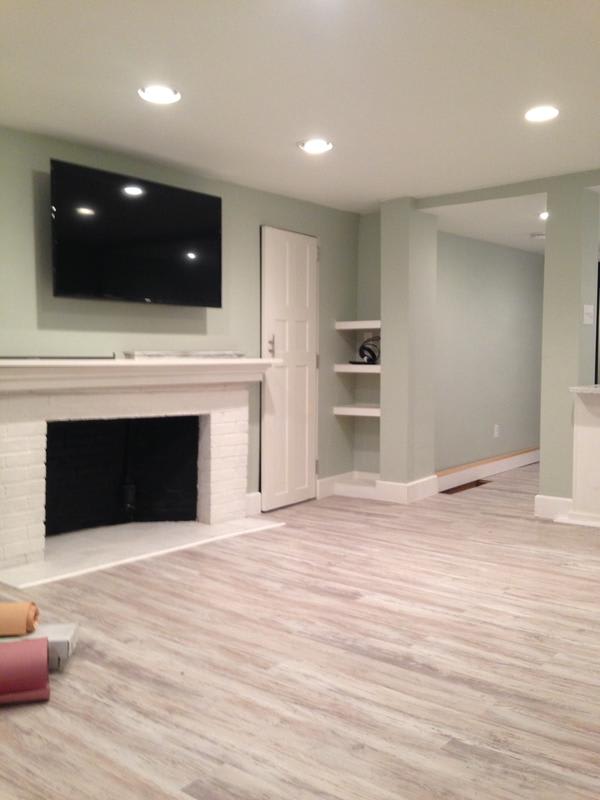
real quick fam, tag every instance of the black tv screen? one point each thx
(118, 237)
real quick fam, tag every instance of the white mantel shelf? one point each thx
(50, 376)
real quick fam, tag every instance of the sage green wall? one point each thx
(368, 306)
(408, 289)
(568, 345)
(488, 352)
(33, 322)
(368, 281)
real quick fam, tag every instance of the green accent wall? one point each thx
(368, 306)
(33, 322)
(571, 275)
(488, 349)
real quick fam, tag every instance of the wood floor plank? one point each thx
(446, 650)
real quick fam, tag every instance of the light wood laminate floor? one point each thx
(448, 650)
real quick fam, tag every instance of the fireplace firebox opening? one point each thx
(108, 472)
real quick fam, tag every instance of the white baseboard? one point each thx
(551, 507)
(326, 486)
(477, 471)
(579, 518)
(404, 493)
(253, 504)
(368, 486)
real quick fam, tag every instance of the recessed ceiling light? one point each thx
(541, 113)
(133, 191)
(85, 211)
(191, 255)
(315, 147)
(537, 235)
(159, 94)
(544, 215)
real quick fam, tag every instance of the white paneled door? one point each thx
(289, 390)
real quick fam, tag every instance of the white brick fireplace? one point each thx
(35, 392)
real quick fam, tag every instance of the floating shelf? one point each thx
(373, 369)
(358, 410)
(358, 325)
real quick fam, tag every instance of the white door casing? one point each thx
(289, 390)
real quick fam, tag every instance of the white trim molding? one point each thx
(327, 486)
(253, 504)
(552, 507)
(579, 518)
(368, 486)
(54, 376)
(404, 493)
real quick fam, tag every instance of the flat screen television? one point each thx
(117, 237)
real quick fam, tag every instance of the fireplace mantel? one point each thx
(54, 376)
(36, 392)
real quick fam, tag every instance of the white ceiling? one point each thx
(509, 221)
(420, 97)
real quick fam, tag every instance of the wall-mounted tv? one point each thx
(117, 237)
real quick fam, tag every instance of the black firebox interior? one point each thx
(106, 472)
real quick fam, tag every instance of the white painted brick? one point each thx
(25, 489)
(15, 561)
(235, 437)
(18, 429)
(29, 442)
(36, 531)
(8, 505)
(26, 458)
(10, 521)
(21, 548)
(225, 450)
(222, 455)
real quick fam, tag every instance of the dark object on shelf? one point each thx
(369, 351)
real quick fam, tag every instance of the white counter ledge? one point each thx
(594, 389)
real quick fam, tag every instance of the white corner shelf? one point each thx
(358, 410)
(358, 325)
(372, 369)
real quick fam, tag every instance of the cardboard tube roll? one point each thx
(17, 619)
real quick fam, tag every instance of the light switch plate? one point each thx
(588, 315)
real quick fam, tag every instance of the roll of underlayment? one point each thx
(62, 640)
(17, 619)
(24, 671)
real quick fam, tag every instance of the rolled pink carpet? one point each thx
(24, 671)
(17, 619)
